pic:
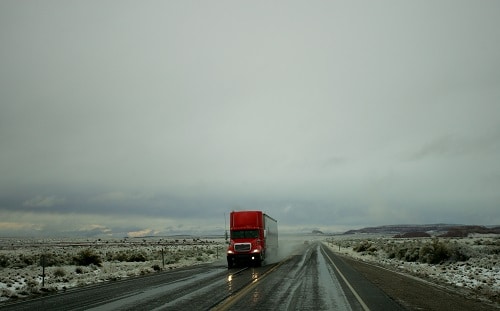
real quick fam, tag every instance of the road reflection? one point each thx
(256, 296)
(255, 275)
(230, 283)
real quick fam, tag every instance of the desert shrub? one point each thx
(156, 268)
(441, 251)
(458, 253)
(411, 254)
(171, 260)
(434, 252)
(400, 252)
(426, 254)
(137, 257)
(31, 287)
(78, 270)
(119, 256)
(362, 247)
(4, 261)
(93, 267)
(50, 260)
(59, 272)
(48, 289)
(27, 260)
(87, 257)
(5, 292)
(22, 261)
(493, 250)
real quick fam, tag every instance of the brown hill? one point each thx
(445, 230)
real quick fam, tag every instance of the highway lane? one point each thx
(312, 278)
(197, 288)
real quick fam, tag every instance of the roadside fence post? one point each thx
(43, 270)
(163, 258)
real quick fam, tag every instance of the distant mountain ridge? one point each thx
(444, 229)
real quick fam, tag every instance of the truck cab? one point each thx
(245, 245)
(250, 237)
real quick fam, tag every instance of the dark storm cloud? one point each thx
(164, 116)
(453, 146)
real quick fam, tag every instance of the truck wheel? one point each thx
(229, 263)
(258, 262)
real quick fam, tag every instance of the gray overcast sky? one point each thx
(157, 117)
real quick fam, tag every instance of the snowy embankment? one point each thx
(34, 267)
(471, 264)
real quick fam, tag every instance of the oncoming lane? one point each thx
(312, 280)
(303, 282)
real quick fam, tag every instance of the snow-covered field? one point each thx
(471, 264)
(71, 262)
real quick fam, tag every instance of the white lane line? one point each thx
(361, 302)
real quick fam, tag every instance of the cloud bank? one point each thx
(160, 118)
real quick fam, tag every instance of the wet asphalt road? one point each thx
(311, 278)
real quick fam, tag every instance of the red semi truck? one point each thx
(254, 237)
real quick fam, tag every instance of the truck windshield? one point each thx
(240, 234)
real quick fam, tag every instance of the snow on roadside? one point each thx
(480, 273)
(21, 271)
